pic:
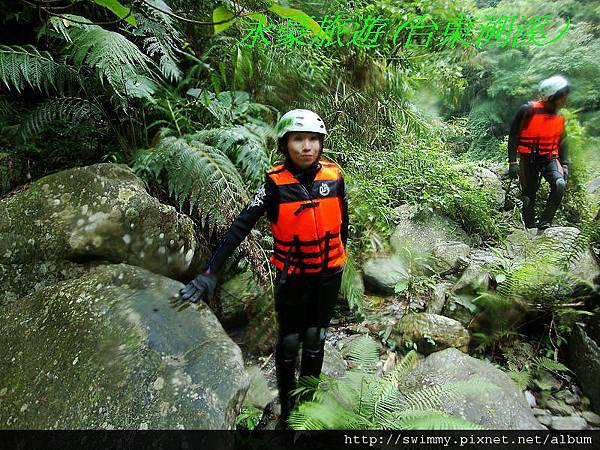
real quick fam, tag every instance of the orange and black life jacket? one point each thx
(541, 133)
(307, 229)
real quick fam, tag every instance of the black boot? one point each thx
(285, 364)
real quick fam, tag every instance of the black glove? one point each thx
(565, 172)
(202, 287)
(513, 171)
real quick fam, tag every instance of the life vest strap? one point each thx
(304, 206)
(306, 243)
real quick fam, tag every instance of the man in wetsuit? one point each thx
(538, 136)
(305, 202)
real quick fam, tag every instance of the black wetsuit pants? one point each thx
(531, 172)
(304, 305)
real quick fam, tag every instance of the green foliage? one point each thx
(115, 58)
(352, 289)
(249, 416)
(161, 38)
(198, 175)
(524, 366)
(363, 400)
(22, 66)
(70, 109)
(119, 10)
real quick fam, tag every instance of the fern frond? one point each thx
(22, 66)
(116, 59)
(199, 174)
(522, 378)
(161, 38)
(244, 144)
(364, 353)
(428, 420)
(72, 109)
(434, 397)
(549, 364)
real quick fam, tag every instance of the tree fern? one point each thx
(22, 66)
(198, 174)
(72, 109)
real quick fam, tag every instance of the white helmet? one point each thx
(552, 85)
(300, 120)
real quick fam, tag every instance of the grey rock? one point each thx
(540, 412)
(568, 397)
(568, 423)
(438, 298)
(107, 350)
(383, 273)
(560, 407)
(545, 420)
(591, 417)
(431, 332)
(259, 393)
(97, 213)
(487, 180)
(584, 359)
(448, 256)
(502, 407)
(546, 382)
(418, 231)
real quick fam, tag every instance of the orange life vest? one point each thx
(541, 133)
(307, 231)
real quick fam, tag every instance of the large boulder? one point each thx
(95, 213)
(488, 181)
(419, 231)
(382, 273)
(584, 358)
(504, 407)
(430, 332)
(107, 350)
(449, 256)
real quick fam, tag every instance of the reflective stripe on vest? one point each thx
(542, 132)
(307, 233)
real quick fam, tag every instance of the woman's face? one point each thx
(304, 148)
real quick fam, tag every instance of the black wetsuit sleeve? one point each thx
(344, 229)
(563, 149)
(263, 200)
(522, 115)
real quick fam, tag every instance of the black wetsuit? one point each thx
(304, 303)
(532, 168)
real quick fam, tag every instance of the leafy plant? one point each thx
(363, 400)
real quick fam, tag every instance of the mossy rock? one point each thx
(430, 332)
(95, 213)
(107, 350)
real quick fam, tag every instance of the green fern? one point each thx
(115, 59)
(245, 145)
(72, 109)
(22, 66)
(161, 38)
(198, 174)
(363, 400)
(522, 378)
